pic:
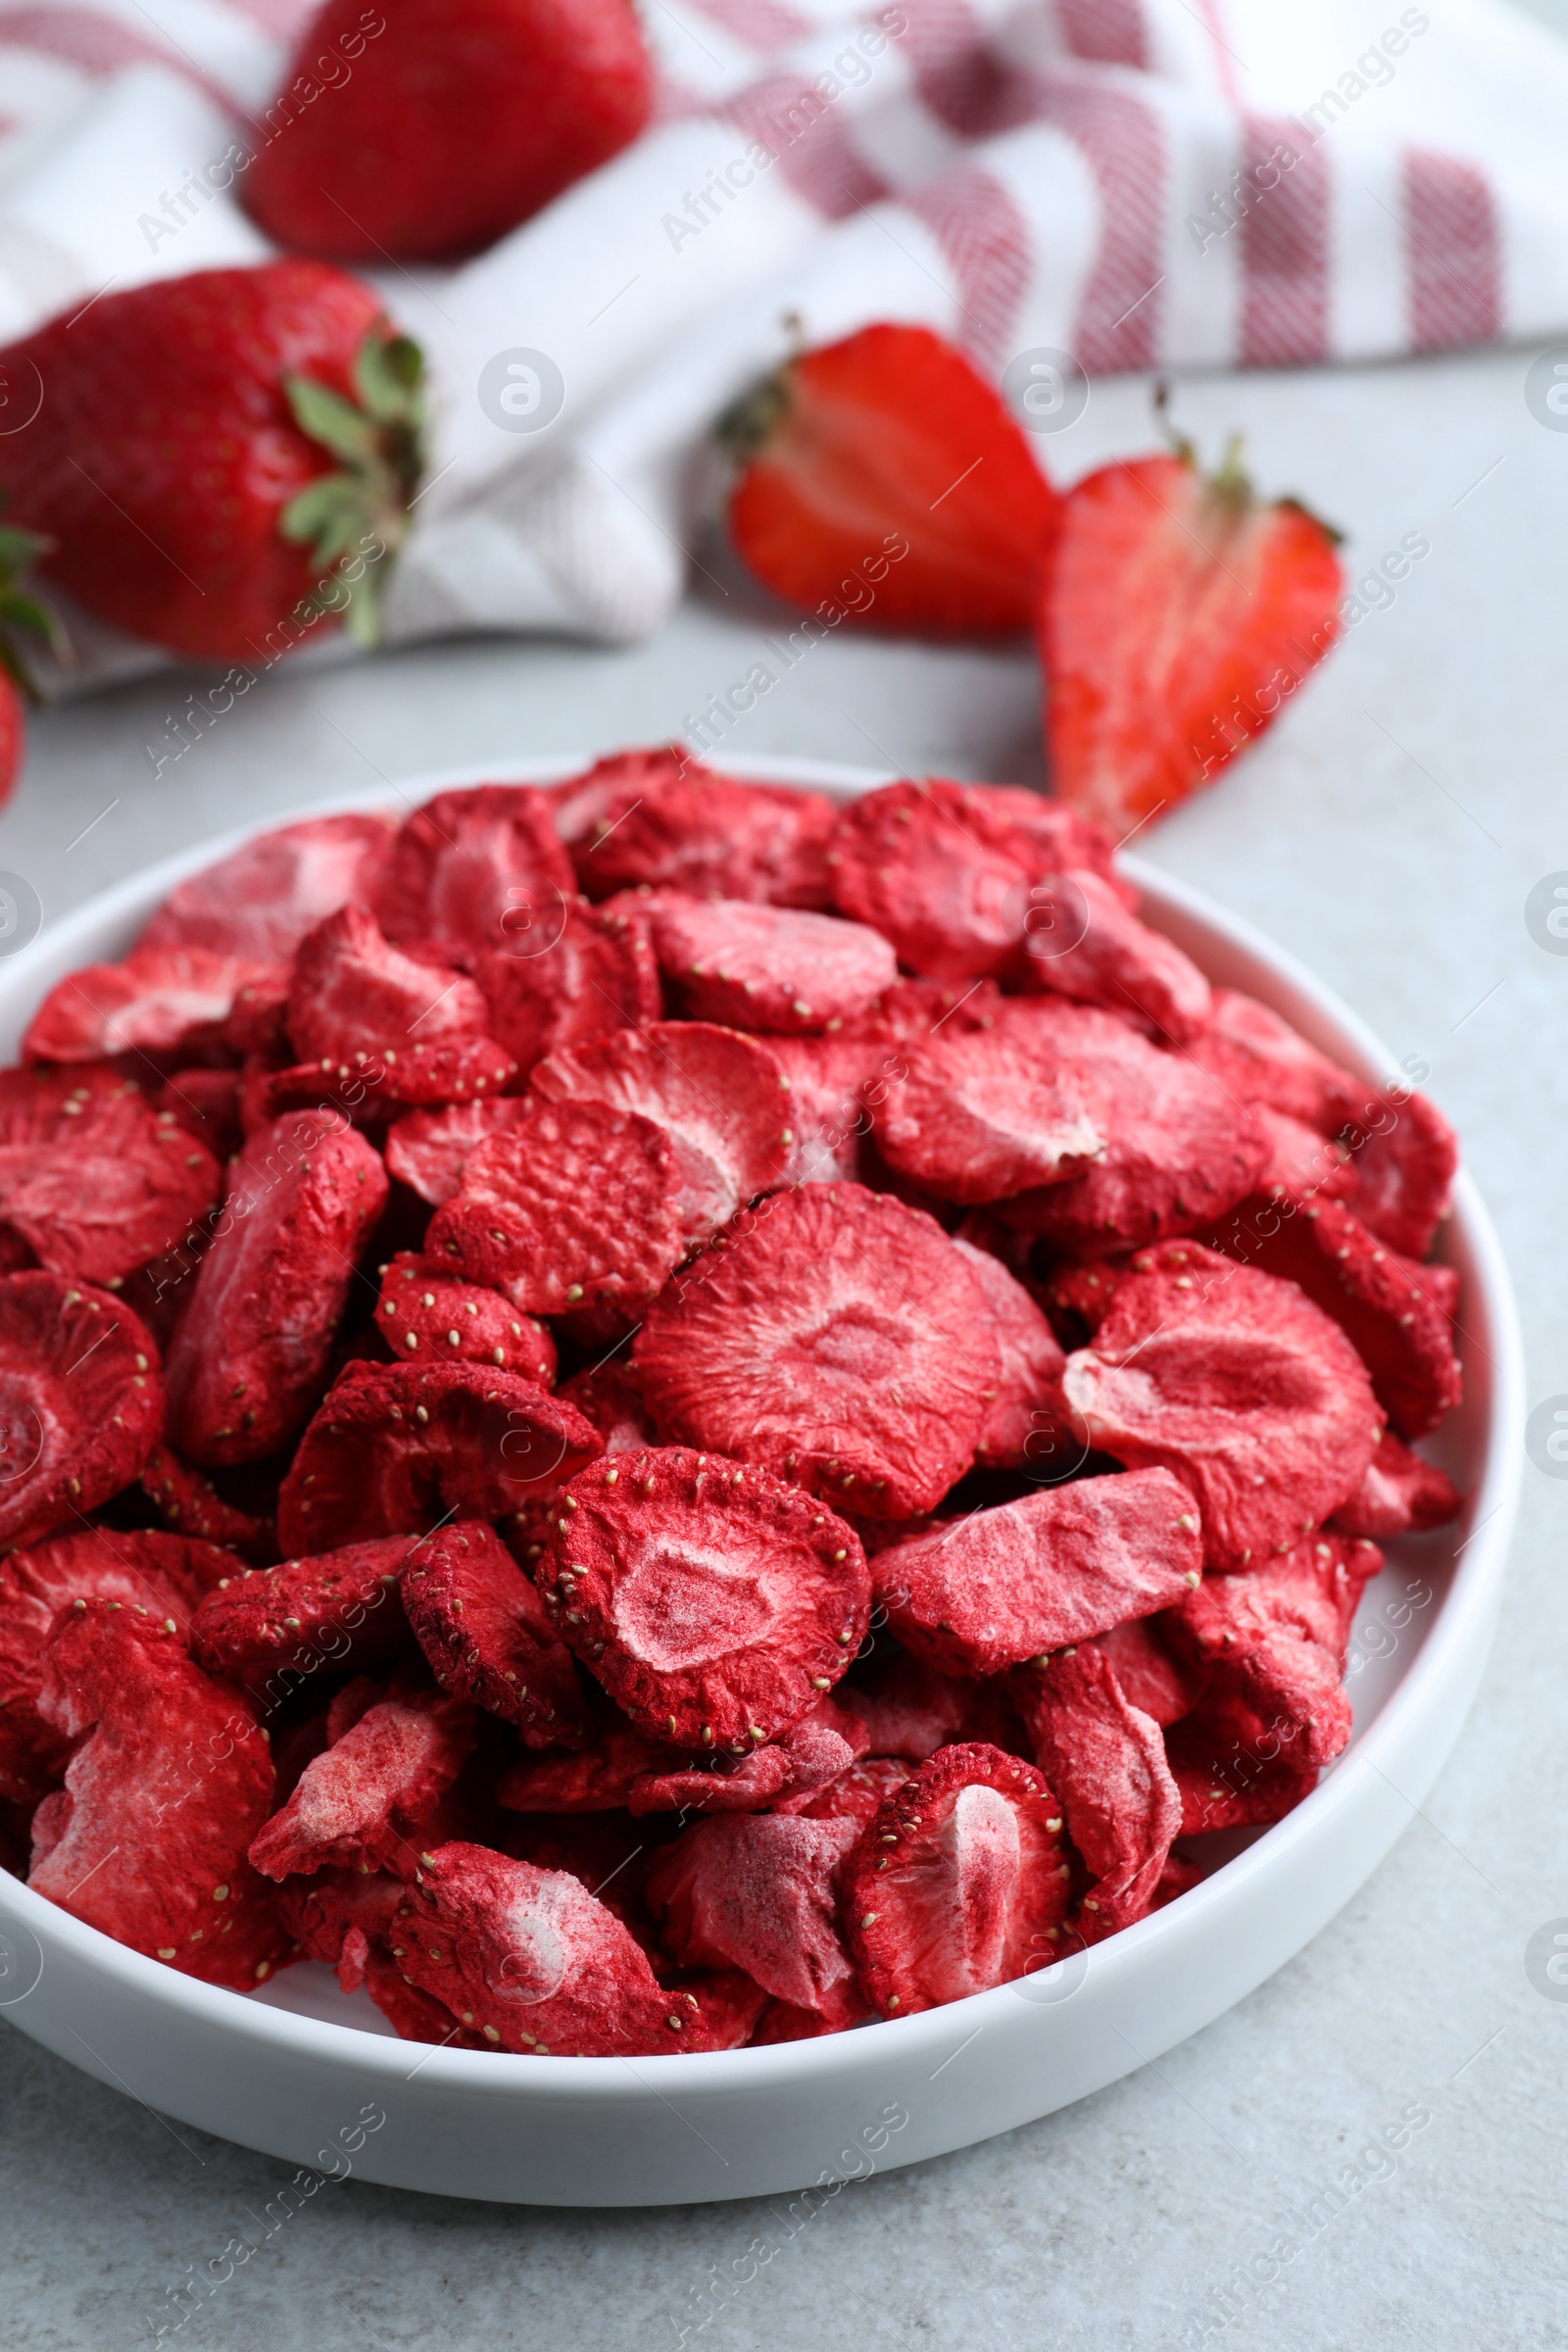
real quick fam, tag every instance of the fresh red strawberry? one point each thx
(454, 124)
(222, 459)
(884, 476)
(18, 610)
(1177, 620)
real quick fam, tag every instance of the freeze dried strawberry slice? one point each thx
(719, 1096)
(93, 1181)
(578, 975)
(1303, 1165)
(1233, 1772)
(608, 1852)
(339, 1915)
(1259, 1059)
(1152, 1678)
(858, 1793)
(251, 1350)
(1178, 1144)
(1024, 1422)
(427, 1150)
(910, 1709)
(419, 1031)
(1107, 1762)
(192, 1504)
(531, 1960)
(1060, 1564)
(758, 1892)
(1403, 1155)
(393, 1449)
(1240, 1386)
(82, 1404)
(205, 1106)
(1396, 1313)
(608, 1395)
(779, 1777)
(1080, 940)
(158, 1001)
(485, 1632)
(713, 1603)
(839, 1341)
(1276, 1640)
(982, 1116)
(960, 1882)
(577, 1202)
(944, 869)
(422, 1312)
(155, 1576)
(1401, 1493)
(599, 1779)
(663, 818)
(262, 899)
(169, 1782)
(360, 1803)
(828, 1112)
(333, 1609)
(476, 870)
(767, 968)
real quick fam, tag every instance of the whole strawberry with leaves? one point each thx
(220, 462)
(20, 615)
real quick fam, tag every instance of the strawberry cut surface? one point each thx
(1237, 1384)
(169, 1782)
(713, 1603)
(838, 1341)
(1176, 619)
(82, 1402)
(979, 1117)
(91, 1178)
(364, 1800)
(959, 1881)
(476, 870)
(1398, 1495)
(427, 1150)
(1107, 1762)
(414, 1030)
(1180, 1151)
(1023, 1424)
(260, 901)
(771, 969)
(250, 1353)
(1003, 1585)
(760, 1894)
(888, 445)
(720, 1096)
(159, 1001)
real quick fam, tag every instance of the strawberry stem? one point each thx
(378, 441)
(18, 549)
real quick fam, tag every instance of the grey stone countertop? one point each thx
(1389, 831)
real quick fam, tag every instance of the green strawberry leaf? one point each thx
(21, 611)
(380, 446)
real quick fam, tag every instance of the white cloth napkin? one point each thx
(1066, 188)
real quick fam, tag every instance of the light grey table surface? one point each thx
(1389, 832)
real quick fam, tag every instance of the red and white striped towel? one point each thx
(1137, 183)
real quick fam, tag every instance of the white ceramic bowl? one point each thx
(304, 2073)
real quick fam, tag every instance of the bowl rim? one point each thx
(1461, 1622)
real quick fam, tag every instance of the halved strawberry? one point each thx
(882, 476)
(1177, 619)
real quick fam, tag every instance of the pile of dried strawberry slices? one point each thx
(659, 1414)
